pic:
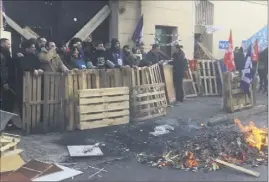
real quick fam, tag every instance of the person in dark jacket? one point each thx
(179, 66)
(114, 54)
(153, 56)
(28, 63)
(263, 70)
(128, 58)
(239, 59)
(99, 56)
(7, 64)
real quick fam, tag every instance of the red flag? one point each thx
(229, 55)
(255, 54)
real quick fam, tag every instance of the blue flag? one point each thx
(138, 33)
(247, 73)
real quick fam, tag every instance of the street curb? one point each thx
(223, 118)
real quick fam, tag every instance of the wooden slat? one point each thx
(46, 105)
(51, 106)
(38, 99)
(103, 115)
(103, 107)
(101, 92)
(70, 102)
(57, 110)
(33, 98)
(27, 100)
(93, 100)
(75, 97)
(103, 123)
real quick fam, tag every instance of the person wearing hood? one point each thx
(114, 54)
(179, 66)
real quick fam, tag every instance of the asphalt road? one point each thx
(120, 145)
(128, 169)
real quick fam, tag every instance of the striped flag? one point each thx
(229, 55)
(138, 33)
(247, 73)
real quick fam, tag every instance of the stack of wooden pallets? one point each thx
(103, 107)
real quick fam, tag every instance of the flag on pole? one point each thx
(247, 73)
(138, 33)
(255, 53)
(229, 55)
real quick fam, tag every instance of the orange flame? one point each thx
(190, 160)
(255, 137)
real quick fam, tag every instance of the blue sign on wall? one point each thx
(223, 44)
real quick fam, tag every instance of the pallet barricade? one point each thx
(50, 100)
(148, 96)
(206, 78)
(234, 98)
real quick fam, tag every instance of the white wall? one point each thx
(244, 18)
(166, 13)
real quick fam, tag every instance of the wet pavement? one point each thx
(121, 144)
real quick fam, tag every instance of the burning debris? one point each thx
(246, 147)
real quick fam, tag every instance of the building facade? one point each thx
(184, 20)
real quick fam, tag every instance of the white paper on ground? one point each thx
(84, 150)
(59, 176)
(162, 129)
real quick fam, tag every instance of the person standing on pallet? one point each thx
(179, 65)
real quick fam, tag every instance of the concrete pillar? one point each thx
(114, 20)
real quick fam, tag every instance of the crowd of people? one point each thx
(261, 66)
(41, 55)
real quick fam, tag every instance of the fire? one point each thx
(190, 160)
(255, 137)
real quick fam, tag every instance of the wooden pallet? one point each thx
(169, 83)
(8, 142)
(234, 99)
(207, 80)
(103, 107)
(148, 101)
(189, 85)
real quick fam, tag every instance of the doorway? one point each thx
(164, 36)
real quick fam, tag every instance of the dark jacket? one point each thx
(129, 59)
(99, 58)
(115, 55)
(179, 64)
(5, 57)
(239, 60)
(151, 58)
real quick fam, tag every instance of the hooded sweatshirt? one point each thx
(99, 58)
(114, 54)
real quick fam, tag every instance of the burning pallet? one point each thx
(213, 150)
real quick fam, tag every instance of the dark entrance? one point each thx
(57, 20)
